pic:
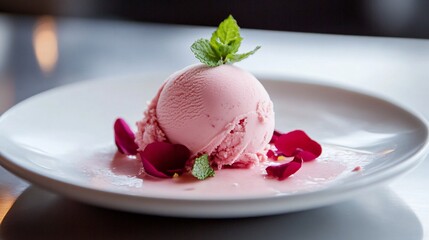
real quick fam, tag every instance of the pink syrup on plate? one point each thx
(116, 172)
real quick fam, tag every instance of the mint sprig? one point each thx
(223, 46)
(201, 168)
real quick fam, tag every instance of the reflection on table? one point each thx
(49, 216)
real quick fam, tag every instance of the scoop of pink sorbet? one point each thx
(222, 111)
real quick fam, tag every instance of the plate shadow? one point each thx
(40, 214)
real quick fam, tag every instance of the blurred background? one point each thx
(65, 41)
(395, 18)
(48, 43)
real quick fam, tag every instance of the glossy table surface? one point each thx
(37, 54)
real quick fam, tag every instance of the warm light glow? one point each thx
(6, 203)
(45, 43)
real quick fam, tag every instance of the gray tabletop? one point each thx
(397, 69)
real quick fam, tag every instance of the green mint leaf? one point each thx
(227, 32)
(232, 58)
(202, 169)
(226, 39)
(223, 45)
(204, 52)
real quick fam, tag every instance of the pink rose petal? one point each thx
(281, 172)
(124, 138)
(163, 160)
(298, 143)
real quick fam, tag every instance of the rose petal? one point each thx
(162, 159)
(298, 143)
(281, 172)
(306, 156)
(271, 154)
(150, 169)
(276, 135)
(124, 138)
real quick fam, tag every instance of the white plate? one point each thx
(63, 140)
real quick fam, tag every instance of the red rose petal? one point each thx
(124, 138)
(151, 170)
(298, 143)
(276, 135)
(306, 156)
(271, 154)
(162, 159)
(281, 172)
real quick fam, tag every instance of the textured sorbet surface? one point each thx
(221, 111)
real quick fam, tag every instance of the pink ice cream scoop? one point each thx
(222, 111)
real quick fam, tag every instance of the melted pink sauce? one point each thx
(120, 173)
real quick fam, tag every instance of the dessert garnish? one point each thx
(276, 134)
(124, 138)
(296, 144)
(223, 46)
(283, 171)
(166, 160)
(201, 168)
(163, 159)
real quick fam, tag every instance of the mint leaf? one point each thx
(232, 58)
(204, 52)
(202, 168)
(223, 45)
(226, 39)
(227, 32)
